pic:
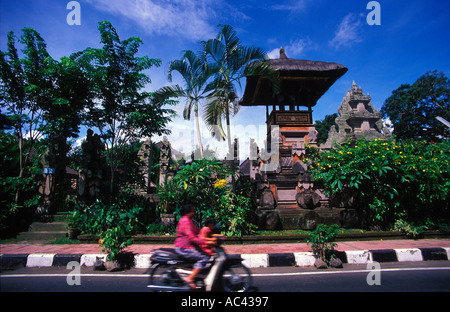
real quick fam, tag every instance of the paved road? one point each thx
(398, 277)
(429, 276)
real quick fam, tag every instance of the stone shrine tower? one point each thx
(287, 195)
(357, 119)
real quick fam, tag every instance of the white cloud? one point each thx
(293, 6)
(348, 32)
(293, 50)
(274, 54)
(192, 19)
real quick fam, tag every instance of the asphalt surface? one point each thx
(430, 276)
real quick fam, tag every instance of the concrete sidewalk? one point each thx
(255, 255)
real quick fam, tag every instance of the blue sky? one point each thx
(413, 37)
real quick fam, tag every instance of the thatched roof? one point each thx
(306, 80)
(288, 66)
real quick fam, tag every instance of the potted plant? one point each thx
(73, 229)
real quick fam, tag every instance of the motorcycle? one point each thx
(224, 272)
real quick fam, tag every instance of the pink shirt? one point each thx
(187, 234)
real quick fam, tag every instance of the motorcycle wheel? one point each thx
(236, 278)
(165, 275)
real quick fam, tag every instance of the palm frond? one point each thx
(265, 69)
(188, 108)
(213, 111)
(167, 92)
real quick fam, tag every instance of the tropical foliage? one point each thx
(42, 99)
(230, 61)
(322, 240)
(195, 74)
(389, 180)
(123, 112)
(115, 220)
(413, 109)
(203, 183)
(323, 127)
(44, 102)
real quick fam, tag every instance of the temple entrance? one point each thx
(288, 198)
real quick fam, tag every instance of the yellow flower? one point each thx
(220, 183)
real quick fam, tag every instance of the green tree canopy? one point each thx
(323, 126)
(413, 109)
(123, 112)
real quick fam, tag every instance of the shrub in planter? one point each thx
(114, 241)
(322, 240)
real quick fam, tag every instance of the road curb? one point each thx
(12, 261)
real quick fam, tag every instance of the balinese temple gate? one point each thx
(287, 196)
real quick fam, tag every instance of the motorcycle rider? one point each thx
(187, 243)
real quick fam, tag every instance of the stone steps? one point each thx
(41, 231)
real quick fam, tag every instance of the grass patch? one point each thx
(64, 241)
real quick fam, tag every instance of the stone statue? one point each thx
(92, 168)
(145, 156)
(165, 157)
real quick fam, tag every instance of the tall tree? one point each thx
(195, 75)
(69, 93)
(22, 92)
(43, 98)
(122, 112)
(230, 62)
(413, 109)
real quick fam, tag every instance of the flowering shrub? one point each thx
(203, 183)
(408, 180)
(220, 183)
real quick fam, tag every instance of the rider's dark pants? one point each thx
(201, 258)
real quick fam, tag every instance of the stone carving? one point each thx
(308, 199)
(92, 168)
(299, 167)
(267, 200)
(166, 159)
(312, 136)
(145, 156)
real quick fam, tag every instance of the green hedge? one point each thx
(392, 181)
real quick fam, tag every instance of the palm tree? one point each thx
(229, 61)
(195, 75)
